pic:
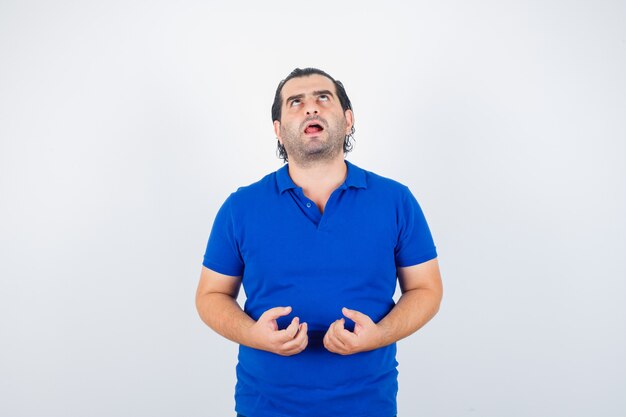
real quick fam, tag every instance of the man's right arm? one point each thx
(216, 302)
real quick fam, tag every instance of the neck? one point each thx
(322, 177)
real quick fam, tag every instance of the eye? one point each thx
(294, 102)
(323, 97)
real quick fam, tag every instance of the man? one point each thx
(318, 246)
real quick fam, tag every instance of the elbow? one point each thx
(439, 297)
(203, 305)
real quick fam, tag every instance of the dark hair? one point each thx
(341, 94)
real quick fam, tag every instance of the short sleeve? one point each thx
(222, 253)
(415, 242)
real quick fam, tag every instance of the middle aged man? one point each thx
(318, 246)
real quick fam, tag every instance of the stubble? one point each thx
(306, 150)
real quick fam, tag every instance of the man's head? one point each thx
(306, 96)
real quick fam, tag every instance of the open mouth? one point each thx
(313, 128)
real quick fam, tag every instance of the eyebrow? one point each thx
(315, 93)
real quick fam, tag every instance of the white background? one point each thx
(125, 124)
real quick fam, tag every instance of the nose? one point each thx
(311, 107)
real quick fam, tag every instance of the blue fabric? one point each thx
(289, 254)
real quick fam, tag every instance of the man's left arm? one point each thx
(422, 291)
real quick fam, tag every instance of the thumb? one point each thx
(356, 316)
(274, 313)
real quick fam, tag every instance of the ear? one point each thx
(349, 120)
(277, 131)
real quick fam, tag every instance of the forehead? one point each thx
(306, 85)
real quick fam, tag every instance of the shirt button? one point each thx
(308, 205)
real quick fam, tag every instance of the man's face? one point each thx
(313, 125)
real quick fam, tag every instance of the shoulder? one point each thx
(388, 194)
(380, 181)
(255, 192)
(386, 186)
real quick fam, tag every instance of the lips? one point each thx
(313, 126)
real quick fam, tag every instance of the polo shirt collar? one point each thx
(354, 179)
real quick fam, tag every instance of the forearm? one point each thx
(222, 313)
(413, 310)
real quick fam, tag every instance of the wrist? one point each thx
(384, 335)
(248, 333)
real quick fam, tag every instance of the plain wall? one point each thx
(125, 124)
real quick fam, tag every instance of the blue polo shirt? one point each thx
(290, 254)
